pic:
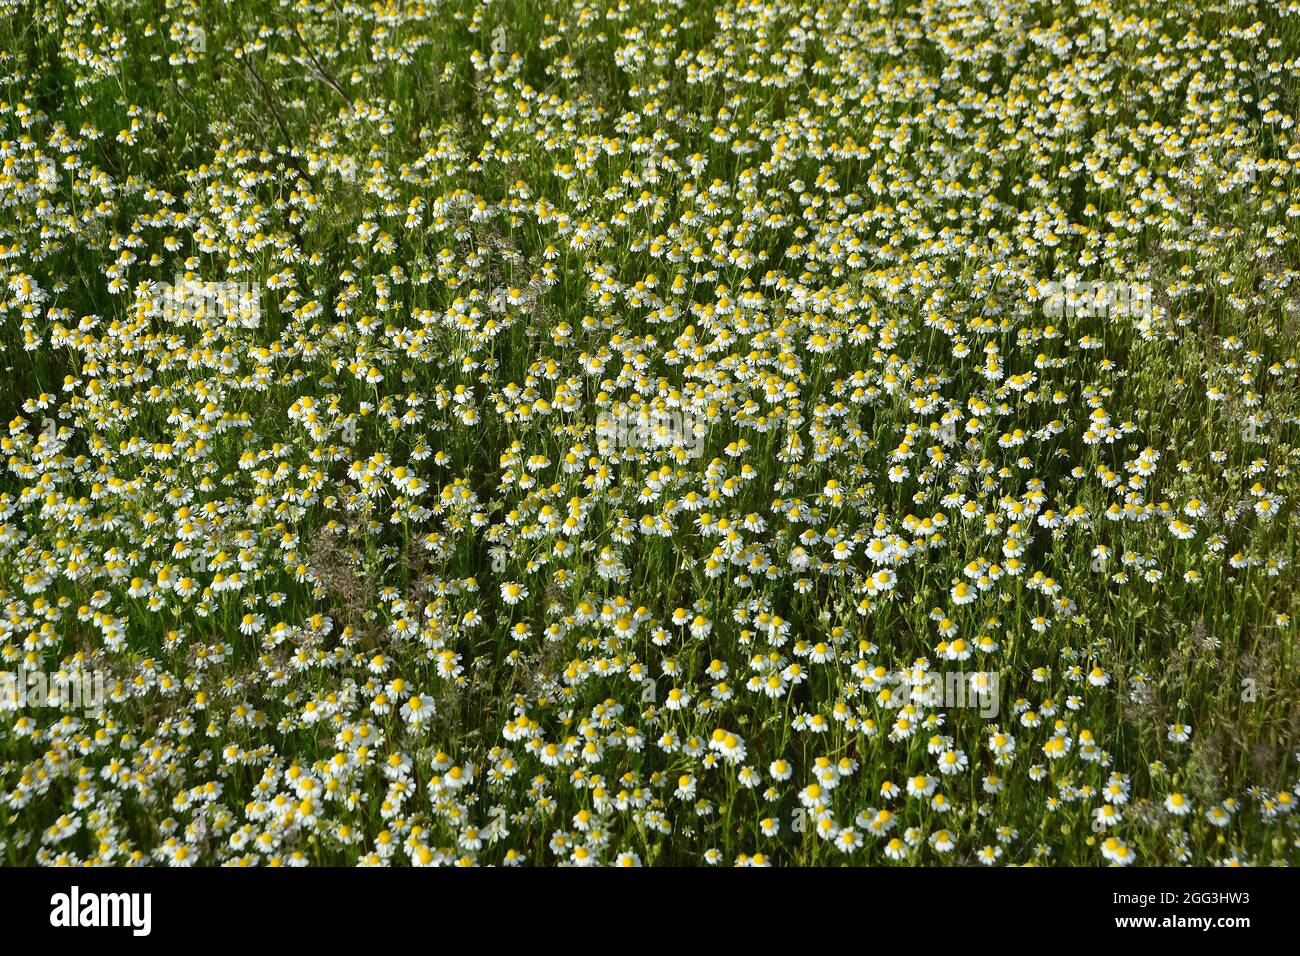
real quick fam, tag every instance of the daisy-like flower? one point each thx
(1218, 816)
(989, 855)
(952, 762)
(1178, 805)
(1117, 852)
(942, 841)
(418, 710)
(1179, 733)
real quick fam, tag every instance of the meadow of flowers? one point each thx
(649, 432)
